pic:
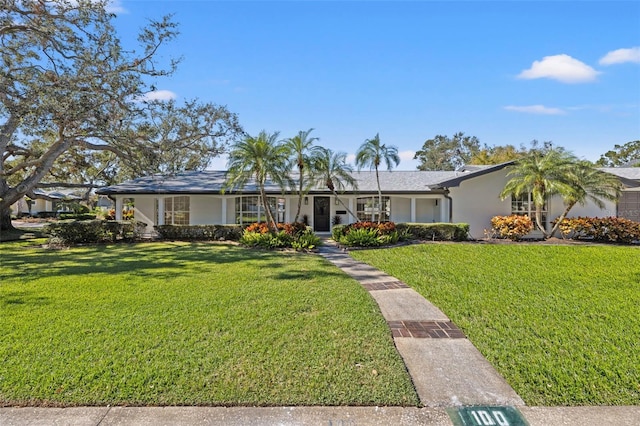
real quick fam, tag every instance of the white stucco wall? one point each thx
(476, 201)
(144, 209)
(205, 210)
(427, 211)
(400, 209)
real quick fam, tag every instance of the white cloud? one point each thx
(115, 6)
(563, 68)
(351, 158)
(158, 95)
(621, 56)
(219, 163)
(406, 155)
(112, 6)
(536, 109)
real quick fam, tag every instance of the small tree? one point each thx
(332, 170)
(372, 153)
(553, 171)
(588, 184)
(260, 158)
(302, 150)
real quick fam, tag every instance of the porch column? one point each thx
(224, 211)
(351, 219)
(160, 210)
(413, 210)
(119, 208)
(289, 204)
(444, 209)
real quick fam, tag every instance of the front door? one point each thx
(321, 208)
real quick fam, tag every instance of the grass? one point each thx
(189, 324)
(561, 323)
(20, 234)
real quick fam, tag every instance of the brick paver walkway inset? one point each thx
(387, 285)
(426, 329)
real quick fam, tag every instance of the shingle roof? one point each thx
(632, 173)
(210, 182)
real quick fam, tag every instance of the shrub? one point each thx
(200, 232)
(292, 229)
(608, 229)
(72, 232)
(256, 239)
(338, 231)
(287, 237)
(361, 237)
(366, 234)
(77, 216)
(46, 215)
(390, 238)
(306, 241)
(513, 227)
(434, 231)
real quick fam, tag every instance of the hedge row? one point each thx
(607, 229)
(77, 216)
(68, 232)
(435, 231)
(200, 232)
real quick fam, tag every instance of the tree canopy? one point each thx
(498, 154)
(260, 158)
(302, 150)
(627, 155)
(447, 153)
(549, 171)
(332, 170)
(73, 102)
(373, 153)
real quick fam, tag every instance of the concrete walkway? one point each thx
(446, 369)
(448, 372)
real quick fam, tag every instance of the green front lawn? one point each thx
(561, 323)
(189, 324)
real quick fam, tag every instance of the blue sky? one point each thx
(506, 72)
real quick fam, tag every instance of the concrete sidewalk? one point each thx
(285, 416)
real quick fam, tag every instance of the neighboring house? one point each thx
(469, 195)
(629, 202)
(45, 201)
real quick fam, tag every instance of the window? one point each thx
(524, 206)
(250, 210)
(176, 211)
(367, 208)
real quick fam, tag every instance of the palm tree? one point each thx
(589, 184)
(332, 170)
(542, 173)
(554, 171)
(302, 150)
(372, 153)
(259, 158)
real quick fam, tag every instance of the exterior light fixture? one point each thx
(306, 201)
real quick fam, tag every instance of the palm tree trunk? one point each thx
(345, 206)
(561, 218)
(545, 235)
(267, 209)
(300, 186)
(379, 196)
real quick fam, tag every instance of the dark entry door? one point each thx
(321, 208)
